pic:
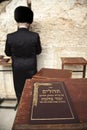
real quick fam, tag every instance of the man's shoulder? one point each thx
(34, 33)
(10, 34)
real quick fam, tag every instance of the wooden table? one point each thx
(75, 61)
(53, 73)
(6, 62)
(78, 91)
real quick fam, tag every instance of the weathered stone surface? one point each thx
(62, 26)
(63, 29)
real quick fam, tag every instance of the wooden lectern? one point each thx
(77, 89)
(46, 73)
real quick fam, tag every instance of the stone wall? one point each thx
(62, 26)
(63, 29)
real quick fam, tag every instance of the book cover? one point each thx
(51, 104)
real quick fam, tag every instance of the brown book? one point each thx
(51, 104)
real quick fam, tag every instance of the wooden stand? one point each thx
(5, 62)
(75, 61)
(46, 73)
(77, 89)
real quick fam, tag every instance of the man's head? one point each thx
(23, 14)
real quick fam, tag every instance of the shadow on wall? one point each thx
(3, 4)
(35, 27)
(3, 0)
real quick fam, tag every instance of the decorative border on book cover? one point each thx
(51, 104)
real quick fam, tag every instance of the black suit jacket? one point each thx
(23, 46)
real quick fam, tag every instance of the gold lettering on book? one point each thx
(36, 86)
(49, 91)
(47, 95)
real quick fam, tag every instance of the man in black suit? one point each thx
(23, 46)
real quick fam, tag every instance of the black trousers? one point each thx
(19, 78)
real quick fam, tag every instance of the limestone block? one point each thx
(62, 26)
